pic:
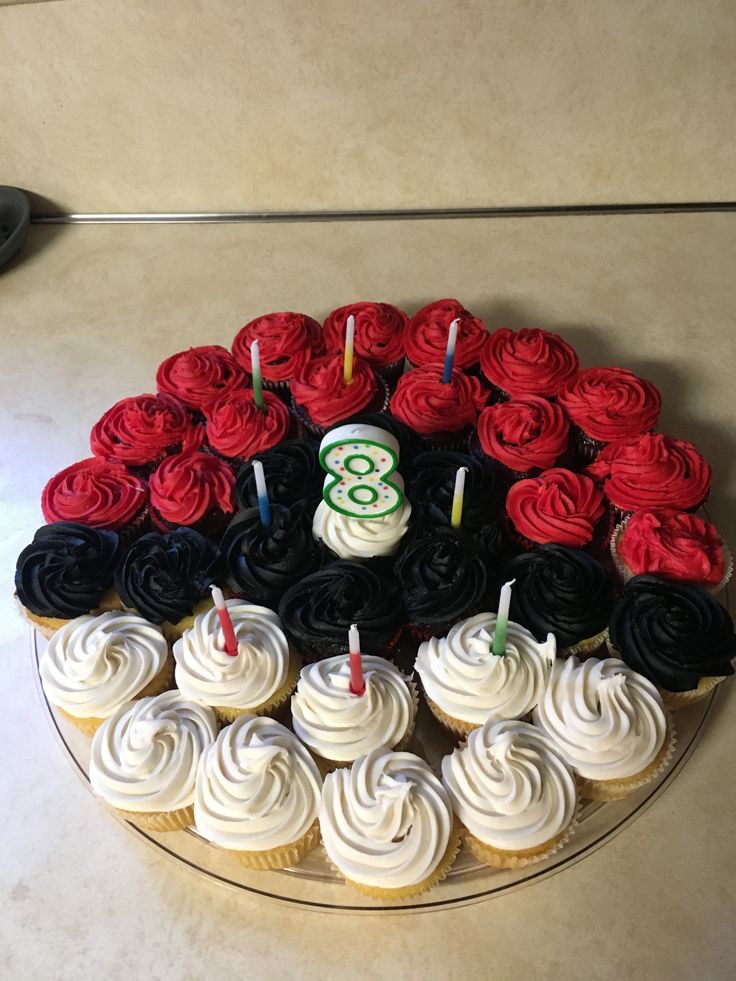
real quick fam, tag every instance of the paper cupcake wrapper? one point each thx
(46, 626)
(497, 858)
(228, 713)
(586, 448)
(307, 428)
(318, 651)
(585, 647)
(283, 857)
(212, 525)
(159, 821)
(88, 726)
(450, 441)
(391, 373)
(605, 790)
(459, 728)
(138, 527)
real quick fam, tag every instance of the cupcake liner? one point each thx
(497, 858)
(450, 441)
(588, 646)
(391, 373)
(212, 525)
(318, 650)
(159, 820)
(283, 857)
(46, 626)
(459, 728)
(136, 529)
(586, 448)
(605, 790)
(309, 429)
(88, 726)
(675, 700)
(280, 388)
(228, 713)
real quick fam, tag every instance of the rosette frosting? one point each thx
(291, 471)
(558, 507)
(672, 545)
(431, 487)
(362, 538)
(610, 403)
(94, 492)
(510, 786)
(607, 721)
(188, 486)
(94, 664)
(462, 675)
(237, 428)
(379, 331)
(385, 822)
(141, 429)
(341, 726)
(145, 756)
(425, 403)
(528, 362)
(527, 433)
(321, 390)
(257, 787)
(200, 375)
(673, 634)
(286, 342)
(66, 569)
(425, 336)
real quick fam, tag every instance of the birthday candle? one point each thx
(457, 497)
(223, 614)
(347, 370)
(255, 358)
(502, 619)
(357, 682)
(263, 506)
(450, 352)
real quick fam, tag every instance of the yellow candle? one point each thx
(457, 498)
(349, 350)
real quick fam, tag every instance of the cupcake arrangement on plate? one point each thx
(267, 564)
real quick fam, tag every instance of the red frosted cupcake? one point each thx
(200, 376)
(141, 430)
(652, 471)
(674, 545)
(99, 493)
(286, 342)
(560, 508)
(379, 336)
(606, 404)
(237, 429)
(524, 435)
(528, 362)
(442, 414)
(322, 398)
(425, 336)
(195, 490)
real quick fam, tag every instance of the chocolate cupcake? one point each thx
(443, 414)
(292, 473)
(527, 362)
(379, 336)
(263, 562)
(286, 341)
(522, 437)
(425, 336)
(676, 635)
(194, 490)
(321, 398)
(238, 430)
(200, 376)
(431, 486)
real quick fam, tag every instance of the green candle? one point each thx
(502, 619)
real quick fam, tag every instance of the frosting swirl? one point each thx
(673, 634)
(205, 672)
(164, 576)
(94, 664)
(528, 362)
(200, 375)
(462, 675)
(236, 427)
(425, 336)
(610, 403)
(431, 487)
(673, 545)
(607, 721)
(145, 756)
(94, 492)
(292, 473)
(425, 403)
(558, 507)
(65, 569)
(321, 390)
(385, 822)
(652, 471)
(361, 538)
(286, 342)
(379, 331)
(141, 429)
(188, 486)
(524, 434)
(510, 786)
(257, 787)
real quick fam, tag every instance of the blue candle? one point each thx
(450, 353)
(263, 506)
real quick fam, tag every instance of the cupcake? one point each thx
(257, 680)
(562, 591)
(387, 825)
(609, 723)
(145, 757)
(607, 404)
(675, 635)
(286, 343)
(338, 726)
(442, 414)
(200, 376)
(361, 538)
(98, 493)
(652, 471)
(513, 793)
(194, 490)
(317, 612)
(379, 336)
(523, 436)
(674, 545)
(95, 664)
(558, 508)
(64, 573)
(431, 487)
(257, 795)
(321, 397)
(466, 684)
(528, 362)
(425, 336)
(238, 430)
(141, 430)
(292, 474)
(262, 562)
(166, 577)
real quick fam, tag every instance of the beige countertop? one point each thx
(88, 313)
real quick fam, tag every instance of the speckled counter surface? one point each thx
(87, 314)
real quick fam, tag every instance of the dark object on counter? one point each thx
(14, 216)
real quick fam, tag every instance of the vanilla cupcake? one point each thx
(257, 794)
(257, 680)
(361, 538)
(609, 723)
(338, 726)
(513, 792)
(145, 757)
(95, 664)
(387, 825)
(466, 684)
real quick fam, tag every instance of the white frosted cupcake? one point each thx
(387, 825)
(145, 757)
(256, 681)
(610, 724)
(339, 726)
(513, 792)
(95, 664)
(466, 684)
(362, 538)
(258, 793)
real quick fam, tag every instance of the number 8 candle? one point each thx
(359, 461)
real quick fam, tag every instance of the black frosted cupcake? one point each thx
(317, 612)
(64, 572)
(292, 473)
(409, 442)
(676, 635)
(263, 562)
(562, 591)
(431, 486)
(167, 578)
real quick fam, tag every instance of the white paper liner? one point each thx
(498, 859)
(605, 790)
